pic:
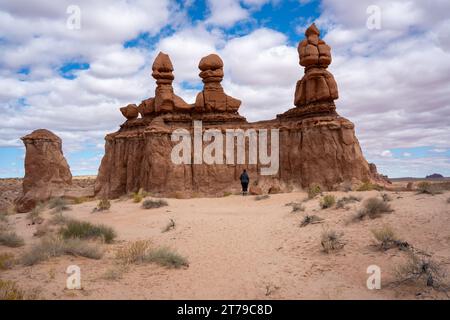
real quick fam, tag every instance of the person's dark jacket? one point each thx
(244, 177)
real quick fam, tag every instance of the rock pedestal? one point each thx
(47, 173)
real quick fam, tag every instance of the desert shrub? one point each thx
(10, 291)
(166, 257)
(327, 201)
(87, 230)
(429, 188)
(386, 197)
(421, 269)
(313, 191)
(310, 219)
(227, 194)
(262, 197)
(346, 200)
(59, 219)
(331, 241)
(55, 246)
(373, 208)
(134, 252)
(152, 204)
(10, 239)
(102, 205)
(41, 230)
(368, 186)
(35, 215)
(387, 239)
(6, 261)
(81, 200)
(58, 204)
(137, 198)
(141, 252)
(296, 207)
(169, 226)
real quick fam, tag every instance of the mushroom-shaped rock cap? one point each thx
(312, 30)
(210, 62)
(42, 134)
(162, 63)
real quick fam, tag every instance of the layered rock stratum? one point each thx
(316, 145)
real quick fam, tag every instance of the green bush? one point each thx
(152, 204)
(87, 230)
(327, 201)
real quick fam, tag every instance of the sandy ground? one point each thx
(239, 248)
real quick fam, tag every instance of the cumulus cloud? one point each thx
(393, 82)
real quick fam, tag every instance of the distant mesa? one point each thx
(435, 176)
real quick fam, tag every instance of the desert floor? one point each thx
(240, 248)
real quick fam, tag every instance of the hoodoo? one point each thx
(315, 144)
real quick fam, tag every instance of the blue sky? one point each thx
(393, 82)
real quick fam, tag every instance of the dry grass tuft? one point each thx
(153, 204)
(422, 270)
(10, 239)
(142, 252)
(313, 191)
(313, 219)
(373, 208)
(327, 201)
(35, 215)
(368, 186)
(86, 230)
(331, 241)
(387, 239)
(55, 246)
(103, 205)
(6, 261)
(10, 291)
(346, 200)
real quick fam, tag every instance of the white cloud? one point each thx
(226, 12)
(386, 153)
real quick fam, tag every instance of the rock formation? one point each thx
(316, 91)
(47, 173)
(316, 145)
(165, 100)
(213, 97)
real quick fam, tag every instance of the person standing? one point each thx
(244, 182)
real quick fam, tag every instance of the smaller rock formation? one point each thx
(165, 99)
(47, 173)
(130, 112)
(213, 97)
